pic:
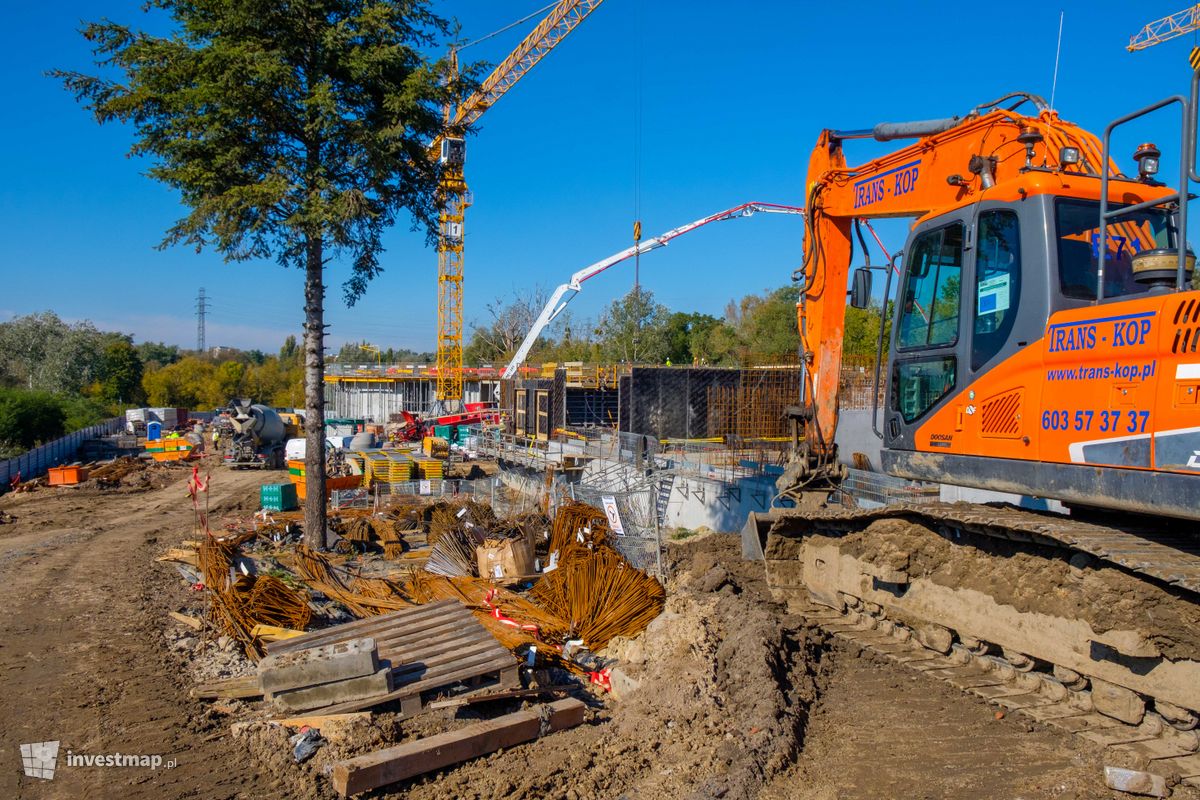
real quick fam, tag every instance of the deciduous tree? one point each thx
(122, 373)
(634, 329)
(29, 418)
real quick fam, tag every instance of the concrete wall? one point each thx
(723, 507)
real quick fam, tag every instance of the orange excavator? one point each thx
(1045, 343)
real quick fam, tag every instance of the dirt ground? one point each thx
(82, 659)
(725, 696)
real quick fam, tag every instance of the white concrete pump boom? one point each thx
(566, 292)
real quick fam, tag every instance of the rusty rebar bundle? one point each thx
(600, 596)
(240, 604)
(357, 529)
(266, 600)
(445, 516)
(578, 523)
(362, 597)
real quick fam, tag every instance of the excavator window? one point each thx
(1079, 247)
(929, 313)
(997, 283)
(920, 383)
(929, 316)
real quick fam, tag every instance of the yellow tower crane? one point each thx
(450, 151)
(370, 348)
(1166, 28)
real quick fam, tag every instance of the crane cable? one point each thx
(637, 145)
(507, 27)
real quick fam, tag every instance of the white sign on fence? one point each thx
(614, 516)
(426, 487)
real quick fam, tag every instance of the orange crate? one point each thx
(67, 476)
(347, 482)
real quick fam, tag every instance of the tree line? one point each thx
(636, 329)
(57, 377)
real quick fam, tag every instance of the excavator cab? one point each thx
(1038, 345)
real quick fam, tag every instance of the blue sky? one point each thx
(732, 100)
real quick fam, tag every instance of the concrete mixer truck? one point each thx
(258, 438)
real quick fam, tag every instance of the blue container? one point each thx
(153, 431)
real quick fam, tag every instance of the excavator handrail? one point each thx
(1180, 195)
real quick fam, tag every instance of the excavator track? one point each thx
(1088, 627)
(1152, 746)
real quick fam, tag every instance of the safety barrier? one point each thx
(35, 462)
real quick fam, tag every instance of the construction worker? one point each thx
(216, 440)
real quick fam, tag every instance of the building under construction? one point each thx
(710, 403)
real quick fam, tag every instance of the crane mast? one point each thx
(453, 195)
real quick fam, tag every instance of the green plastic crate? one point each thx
(442, 432)
(278, 497)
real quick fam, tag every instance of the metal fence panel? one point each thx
(642, 544)
(34, 463)
(863, 489)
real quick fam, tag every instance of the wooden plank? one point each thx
(194, 623)
(403, 630)
(399, 637)
(368, 625)
(394, 764)
(465, 642)
(511, 694)
(412, 690)
(317, 720)
(480, 670)
(480, 664)
(182, 556)
(232, 688)
(451, 630)
(273, 633)
(438, 663)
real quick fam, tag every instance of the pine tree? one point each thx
(294, 131)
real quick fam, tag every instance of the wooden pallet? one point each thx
(429, 647)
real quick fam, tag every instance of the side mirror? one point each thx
(860, 290)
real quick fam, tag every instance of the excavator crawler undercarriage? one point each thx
(1069, 603)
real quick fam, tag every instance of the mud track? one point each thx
(82, 609)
